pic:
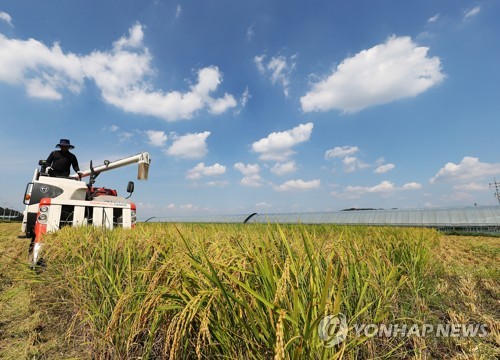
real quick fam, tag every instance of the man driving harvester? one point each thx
(59, 162)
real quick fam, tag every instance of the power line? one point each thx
(496, 185)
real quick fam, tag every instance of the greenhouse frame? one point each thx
(467, 219)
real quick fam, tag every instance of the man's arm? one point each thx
(74, 163)
(49, 160)
(48, 164)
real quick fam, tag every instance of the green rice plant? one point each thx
(182, 291)
(275, 303)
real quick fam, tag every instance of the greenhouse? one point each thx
(473, 219)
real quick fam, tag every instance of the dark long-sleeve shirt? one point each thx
(61, 162)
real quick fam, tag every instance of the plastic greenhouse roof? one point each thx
(469, 216)
(476, 216)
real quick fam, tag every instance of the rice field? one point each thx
(233, 291)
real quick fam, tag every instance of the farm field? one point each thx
(189, 291)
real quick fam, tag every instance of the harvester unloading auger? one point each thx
(54, 202)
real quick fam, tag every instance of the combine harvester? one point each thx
(54, 202)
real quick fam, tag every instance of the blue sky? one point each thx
(258, 106)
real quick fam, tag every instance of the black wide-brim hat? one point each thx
(65, 142)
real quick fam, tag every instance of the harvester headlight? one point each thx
(43, 208)
(42, 217)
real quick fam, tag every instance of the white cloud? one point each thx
(263, 205)
(278, 145)
(259, 62)
(222, 183)
(6, 17)
(382, 169)
(124, 136)
(380, 161)
(245, 97)
(253, 180)
(251, 174)
(122, 78)
(201, 170)
(412, 186)
(190, 146)
(133, 41)
(433, 18)
(219, 106)
(43, 90)
(189, 207)
(341, 151)
(250, 32)
(393, 70)
(156, 138)
(292, 185)
(470, 168)
(472, 186)
(178, 11)
(472, 12)
(120, 74)
(44, 72)
(352, 163)
(279, 70)
(281, 169)
(249, 169)
(385, 187)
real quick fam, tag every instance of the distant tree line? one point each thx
(358, 209)
(10, 214)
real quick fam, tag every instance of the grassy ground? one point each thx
(165, 291)
(27, 330)
(15, 317)
(469, 291)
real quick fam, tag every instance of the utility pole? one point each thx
(496, 186)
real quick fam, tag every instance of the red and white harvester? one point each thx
(54, 202)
